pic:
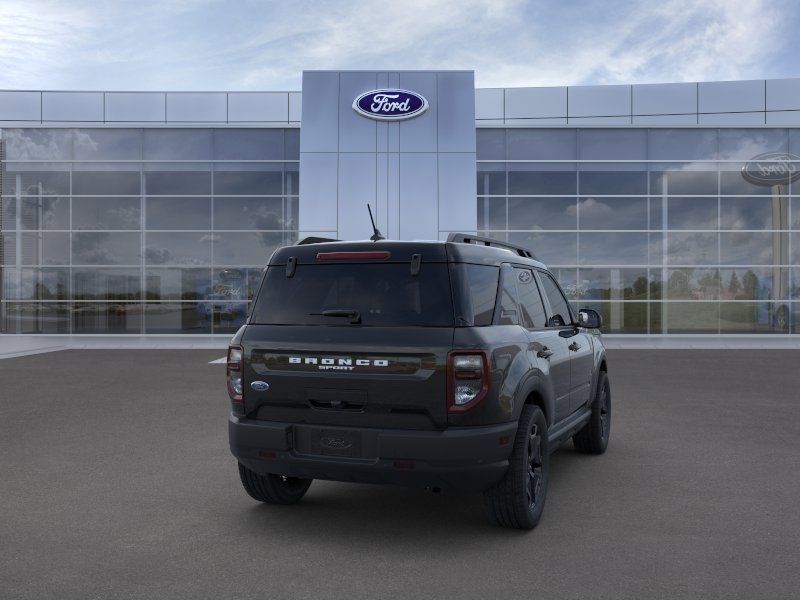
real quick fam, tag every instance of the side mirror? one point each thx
(589, 319)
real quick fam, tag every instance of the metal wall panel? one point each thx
(456, 99)
(136, 107)
(599, 101)
(197, 107)
(72, 106)
(320, 129)
(664, 98)
(419, 134)
(731, 96)
(733, 119)
(489, 103)
(356, 134)
(786, 118)
(600, 120)
(418, 196)
(20, 106)
(357, 188)
(295, 102)
(783, 94)
(665, 119)
(318, 189)
(258, 107)
(536, 103)
(457, 208)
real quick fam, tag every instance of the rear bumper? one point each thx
(460, 458)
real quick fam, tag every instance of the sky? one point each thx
(265, 45)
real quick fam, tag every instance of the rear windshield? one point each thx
(385, 295)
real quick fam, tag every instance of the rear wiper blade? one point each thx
(353, 315)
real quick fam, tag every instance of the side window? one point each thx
(508, 299)
(558, 304)
(478, 292)
(530, 301)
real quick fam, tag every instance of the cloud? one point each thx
(208, 44)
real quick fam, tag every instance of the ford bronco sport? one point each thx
(448, 365)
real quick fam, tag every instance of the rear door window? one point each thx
(559, 308)
(476, 293)
(385, 294)
(530, 300)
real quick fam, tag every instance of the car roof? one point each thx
(402, 251)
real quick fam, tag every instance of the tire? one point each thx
(273, 489)
(593, 438)
(518, 500)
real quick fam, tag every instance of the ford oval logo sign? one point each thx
(390, 105)
(260, 386)
(772, 168)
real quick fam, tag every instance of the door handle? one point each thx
(574, 346)
(545, 352)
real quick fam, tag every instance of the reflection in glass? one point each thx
(492, 213)
(178, 284)
(612, 144)
(744, 144)
(613, 248)
(612, 182)
(251, 180)
(683, 180)
(35, 317)
(523, 180)
(692, 213)
(542, 144)
(172, 248)
(620, 317)
(36, 284)
(612, 213)
(491, 144)
(550, 248)
(682, 144)
(105, 248)
(732, 182)
(753, 247)
(246, 248)
(117, 183)
(693, 284)
(178, 213)
(753, 317)
(106, 284)
(105, 213)
(541, 213)
(492, 179)
(178, 183)
(753, 213)
(250, 213)
(107, 317)
(33, 181)
(614, 284)
(45, 212)
(46, 248)
(177, 144)
(692, 248)
(691, 317)
(38, 144)
(184, 317)
(248, 144)
(755, 283)
(107, 144)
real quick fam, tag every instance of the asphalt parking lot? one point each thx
(116, 482)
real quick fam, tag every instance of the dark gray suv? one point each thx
(447, 365)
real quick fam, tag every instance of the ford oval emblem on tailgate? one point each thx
(260, 386)
(335, 443)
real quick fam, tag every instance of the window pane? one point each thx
(751, 317)
(733, 182)
(612, 144)
(108, 144)
(541, 144)
(250, 213)
(178, 213)
(45, 212)
(692, 248)
(478, 293)
(747, 143)
(755, 283)
(118, 183)
(103, 248)
(239, 249)
(178, 284)
(45, 248)
(530, 300)
(107, 317)
(236, 283)
(682, 144)
(612, 248)
(621, 317)
(509, 310)
(251, 181)
(691, 317)
(492, 213)
(35, 182)
(178, 183)
(697, 180)
(177, 144)
(291, 144)
(105, 213)
(750, 248)
(560, 314)
(613, 284)
(248, 144)
(228, 317)
(612, 213)
(36, 284)
(693, 284)
(185, 317)
(541, 213)
(692, 213)
(524, 180)
(491, 144)
(38, 144)
(178, 248)
(35, 317)
(613, 182)
(550, 248)
(492, 179)
(106, 284)
(754, 213)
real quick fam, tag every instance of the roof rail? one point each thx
(465, 238)
(314, 240)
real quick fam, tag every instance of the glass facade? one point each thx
(155, 231)
(656, 229)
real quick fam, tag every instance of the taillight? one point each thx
(468, 379)
(233, 373)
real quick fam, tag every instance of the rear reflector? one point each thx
(370, 255)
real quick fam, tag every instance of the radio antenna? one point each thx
(377, 234)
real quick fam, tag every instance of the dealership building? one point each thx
(671, 209)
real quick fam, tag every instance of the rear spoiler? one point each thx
(314, 240)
